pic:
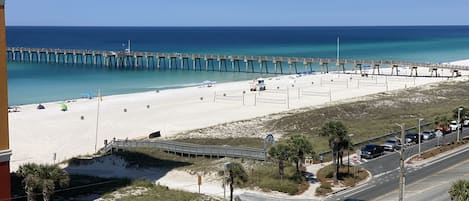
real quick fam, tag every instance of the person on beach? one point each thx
(321, 159)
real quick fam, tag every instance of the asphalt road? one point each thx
(390, 161)
(385, 172)
(389, 182)
(433, 187)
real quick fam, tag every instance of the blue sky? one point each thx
(236, 12)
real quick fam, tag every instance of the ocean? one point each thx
(35, 83)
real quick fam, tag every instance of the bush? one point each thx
(325, 186)
(322, 191)
(143, 183)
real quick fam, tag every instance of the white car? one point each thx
(466, 123)
(453, 125)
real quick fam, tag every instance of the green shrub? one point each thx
(325, 186)
(143, 183)
(285, 186)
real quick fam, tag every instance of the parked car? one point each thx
(413, 138)
(392, 144)
(428, 135)
(371, 151)
(465, 123)
(453, 125)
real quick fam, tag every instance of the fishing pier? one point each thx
(139, 60)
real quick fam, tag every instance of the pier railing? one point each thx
(189, 149)
(212, 62)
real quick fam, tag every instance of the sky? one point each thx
(236, 12)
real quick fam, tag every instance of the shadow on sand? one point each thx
(93, 177)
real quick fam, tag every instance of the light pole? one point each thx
(401, 164)
(459, 121)
(420, 133)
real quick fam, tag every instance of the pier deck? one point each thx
(208, 62)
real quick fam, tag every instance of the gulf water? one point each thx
(34, 83)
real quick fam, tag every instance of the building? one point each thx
(5, 152)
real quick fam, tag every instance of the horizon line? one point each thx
(247, 26)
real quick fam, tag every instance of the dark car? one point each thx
(371, 151)
(413, 138)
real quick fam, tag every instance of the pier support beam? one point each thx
(376, 66)
(395, 66)
(412, 70)
(340, 67)
(193, 63)
(359, 66)
(434, 70)
(247, 65)
(232, 65)
(324, 66)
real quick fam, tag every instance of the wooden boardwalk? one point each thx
(189, 149)
(207, 62)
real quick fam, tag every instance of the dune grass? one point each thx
(377, 116)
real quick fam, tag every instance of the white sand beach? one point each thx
(35, 135)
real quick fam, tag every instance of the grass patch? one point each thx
(441, 149)
(267, 178)
(375, 117)
(163, 193)
(237, 142)
(347, 176)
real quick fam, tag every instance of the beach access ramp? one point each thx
(189, 149)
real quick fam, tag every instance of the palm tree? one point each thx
(50, 176)
(237, 176)
(442, 123)
(459, 190)
(338, 140)
(42, 177)
(30, 180)
(299, 147)
(281, 153)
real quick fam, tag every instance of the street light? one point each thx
(401, 164)
(459, 121)
(420, 133)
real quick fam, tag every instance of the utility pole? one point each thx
(401, 164)
(459, 122)
(420, 134)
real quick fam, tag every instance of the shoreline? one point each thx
(173, 111)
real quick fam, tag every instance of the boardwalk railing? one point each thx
(189, 149)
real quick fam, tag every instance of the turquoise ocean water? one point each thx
(33, 83)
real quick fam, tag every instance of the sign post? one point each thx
(199, 181)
